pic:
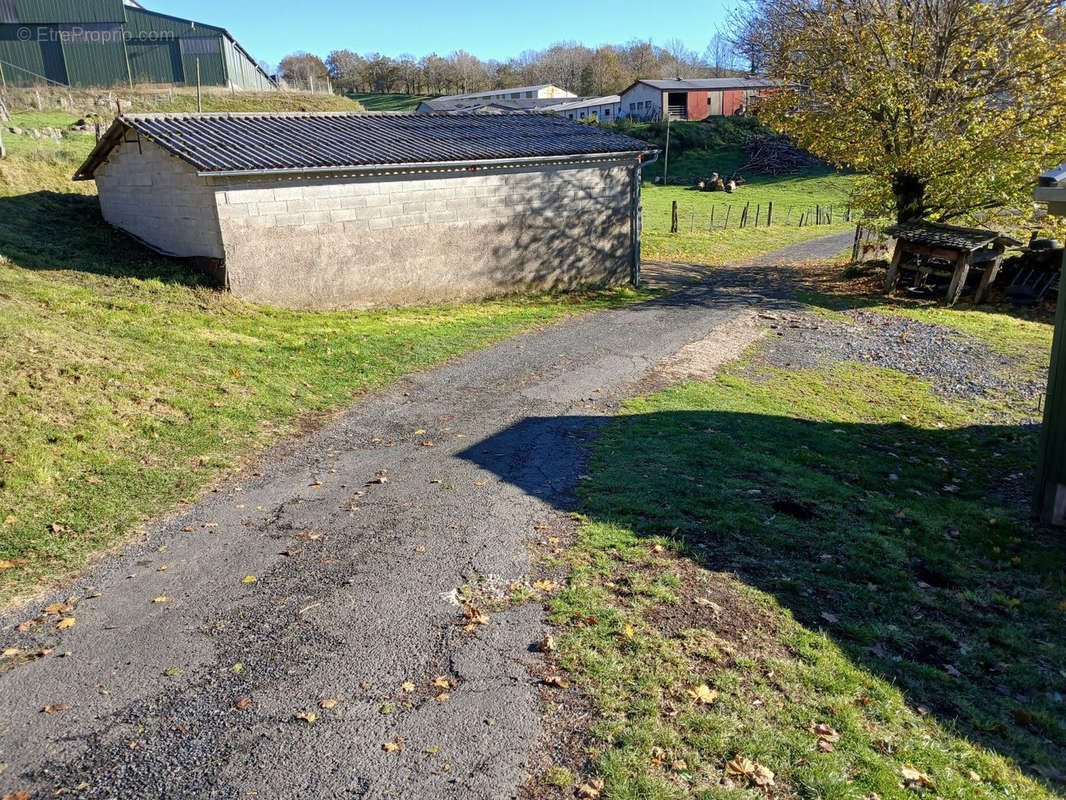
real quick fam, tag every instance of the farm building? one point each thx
(604, 108)
(344, 210)
(539, 92)
(690, 99)
(115, 43)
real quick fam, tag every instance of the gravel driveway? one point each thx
(199, 661)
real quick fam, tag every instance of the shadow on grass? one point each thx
(65, 231)
(911, 548)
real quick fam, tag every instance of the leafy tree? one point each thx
(945, 107)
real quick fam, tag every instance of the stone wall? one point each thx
(356, 242)
(159, 199)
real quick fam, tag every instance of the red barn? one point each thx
(696, 98)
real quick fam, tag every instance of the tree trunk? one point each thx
(909, 191)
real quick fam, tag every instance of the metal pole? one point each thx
(199, 99)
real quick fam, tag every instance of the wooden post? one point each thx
(958, 279)
(199, 98)
(892, 275)
(758, 213)
(817, 215)
(1050, 500)
(712, 217)
(673, 217)
(855, 242)
(728, 211)
(744, 215)
(988, 276)
(769, 213)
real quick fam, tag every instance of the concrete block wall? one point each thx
(356, 242)
(159, 199)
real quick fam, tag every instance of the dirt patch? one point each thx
(701, 360)
(711, 601)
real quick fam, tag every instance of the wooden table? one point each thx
(920, 246)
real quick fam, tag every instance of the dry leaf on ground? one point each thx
(395, 746)
(54, 707)
(756, 773)
(703, 694)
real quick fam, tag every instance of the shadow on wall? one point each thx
(582, 239)
(61, 231)
(958, 612)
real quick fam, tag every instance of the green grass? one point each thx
(922, 625)
(389, 101)
(720, 247)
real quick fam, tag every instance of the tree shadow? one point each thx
(918, 542)
(47, 230)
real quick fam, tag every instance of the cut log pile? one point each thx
(775, 154)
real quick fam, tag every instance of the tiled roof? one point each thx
(949, 236)
(329, 140)
(707, 84)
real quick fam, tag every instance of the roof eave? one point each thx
(423, 166)
(112, 136)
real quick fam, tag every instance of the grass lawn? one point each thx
(389, 101)
(828, 572)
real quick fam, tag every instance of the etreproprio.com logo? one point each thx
(88, 34)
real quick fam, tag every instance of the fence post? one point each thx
(728, 211)
(855, 244)
(673, 217)
(769, 213)
(712, 217)
(744, 215)
(758, 213)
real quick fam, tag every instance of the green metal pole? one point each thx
(1050, 501)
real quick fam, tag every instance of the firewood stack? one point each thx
(775, 154)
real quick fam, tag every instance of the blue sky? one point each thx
(271, 29)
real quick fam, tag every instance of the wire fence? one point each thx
(722, 216)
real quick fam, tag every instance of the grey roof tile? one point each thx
(332, 140)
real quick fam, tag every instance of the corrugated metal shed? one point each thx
(107, 43)
(226, 143)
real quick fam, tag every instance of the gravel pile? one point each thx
(957, 365)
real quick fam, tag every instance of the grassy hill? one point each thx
(390, 102)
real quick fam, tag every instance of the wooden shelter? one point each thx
(926, 249)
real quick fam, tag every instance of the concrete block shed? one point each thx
(352, 210)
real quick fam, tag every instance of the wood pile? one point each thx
(775, 154)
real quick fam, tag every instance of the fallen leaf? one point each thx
(557, 680)
(395, 746)
(590, 790)
(825, 746)
(915, 778)
(306, 716)
(328, 703)
(55, 707)
(64, 623)
(243, 704)
(476, 616)
(161, 599)
(57, 608)
(11, 652)
(548, 643)
(420, 549)
(443, 682)
(172, 672)
(162, 568)
(407, 686)
(823, 731)
(546, 585)
(10, 519)
(442, 697)
(22, 627)
(703, 694)
(973, 776)
(657, 548)
(432, 750)
(249, 579)
(756, 773)
(20, 794)
(5, 564)
(629, 631)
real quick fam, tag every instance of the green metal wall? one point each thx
(104, 43)
(1051, 472)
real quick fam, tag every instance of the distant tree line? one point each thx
(583, 70)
